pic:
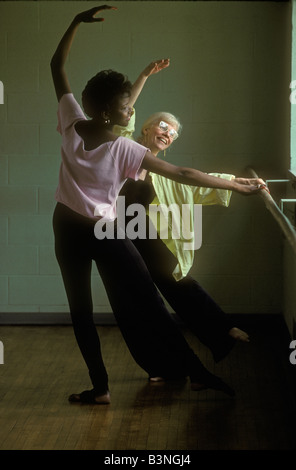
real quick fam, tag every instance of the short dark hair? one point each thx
(101, 90)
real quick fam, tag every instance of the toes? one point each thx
(74, 398)
(239, 335)
(90, 397)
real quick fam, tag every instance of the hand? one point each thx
(253, 181)
(88, 15)
(260, 183)
(152, 68)
(155, 67)
(246, 189)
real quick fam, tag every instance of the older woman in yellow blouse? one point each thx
(167, 260)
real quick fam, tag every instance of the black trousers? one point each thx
(188, 299)
(151, 334)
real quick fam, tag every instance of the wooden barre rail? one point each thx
(279, 216)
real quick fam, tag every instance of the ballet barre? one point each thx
(277, 212)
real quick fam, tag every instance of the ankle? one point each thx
(103, 398)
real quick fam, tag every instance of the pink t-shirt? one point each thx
(89, 181)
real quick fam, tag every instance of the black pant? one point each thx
(151, 335)
(187, 298)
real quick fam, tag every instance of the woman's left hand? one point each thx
(152, 68)
(88, 16)
(155, 67)
(260, 183)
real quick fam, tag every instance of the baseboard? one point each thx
(266, 320)
(50, 318)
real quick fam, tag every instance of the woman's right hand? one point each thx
(88, 15)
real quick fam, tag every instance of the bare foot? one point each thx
(103, 399)
(89, 396)
(238, 334)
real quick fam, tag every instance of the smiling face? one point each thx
(160, 135)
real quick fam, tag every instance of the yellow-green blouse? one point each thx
(170, 192)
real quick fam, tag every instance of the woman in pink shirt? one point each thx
(95, 164)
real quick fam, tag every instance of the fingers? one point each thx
(94, 11)
(160, 61)
(260, 187)
(163, 63)
(263, 186)
(248, 190)
(260, 180)
(257, 188)
(259, 183)
(156, 66)
(104, 7)
(88, 16)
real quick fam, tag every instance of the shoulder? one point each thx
(69, 111)
(68, 100)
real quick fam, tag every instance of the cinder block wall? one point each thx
(229, 84)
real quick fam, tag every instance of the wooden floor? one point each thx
(42, 366)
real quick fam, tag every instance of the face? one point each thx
(121, 112)
(160, 136)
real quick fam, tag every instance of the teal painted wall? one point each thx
(229, 84)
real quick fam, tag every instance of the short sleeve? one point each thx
(129, 155)
(213, 196)
(69, 111)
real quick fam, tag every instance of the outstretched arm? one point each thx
(59, 58)
(194, 177)
(151, 69)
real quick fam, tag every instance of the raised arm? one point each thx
(194, 177)
(59, 58)
(151, 69)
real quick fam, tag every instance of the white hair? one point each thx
(160, 116)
